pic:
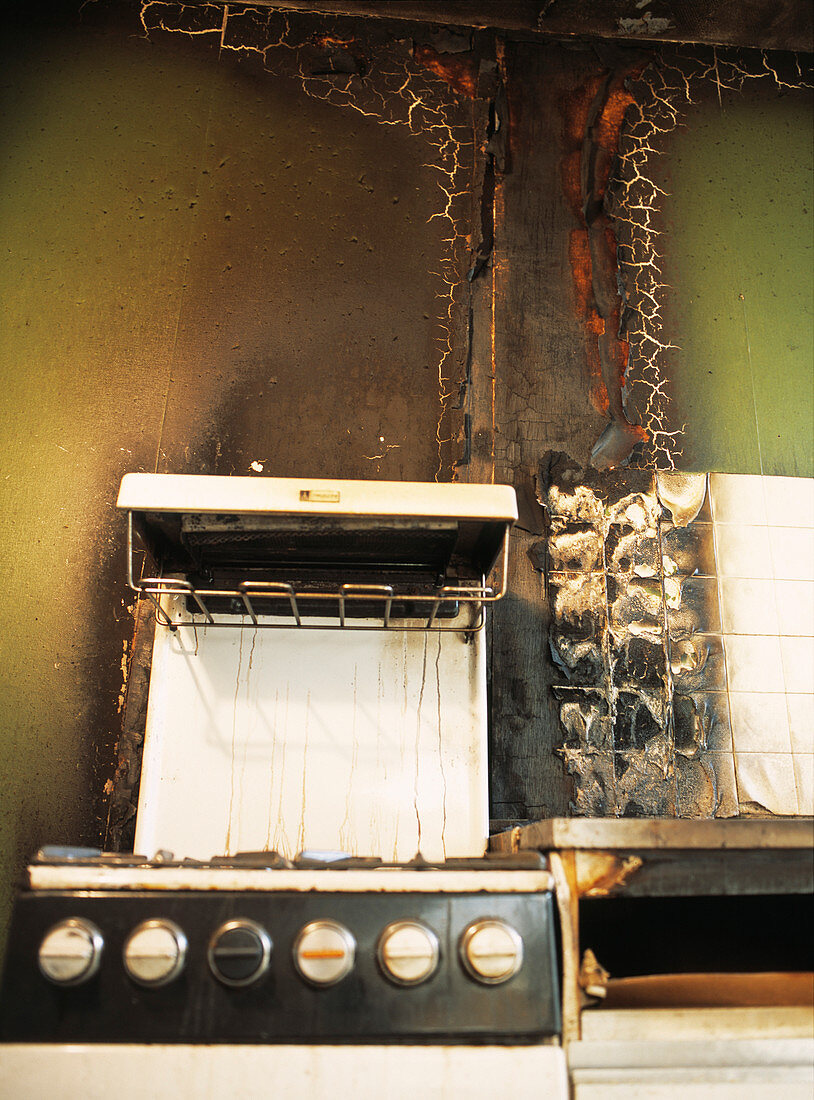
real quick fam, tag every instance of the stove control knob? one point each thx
(71, 952)
(324, 952)
(239, 952)
(155, 952)
(491, 951)
(408, 952)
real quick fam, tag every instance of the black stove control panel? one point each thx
(281, 966)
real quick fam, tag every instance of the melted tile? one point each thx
(697, 664)
(694, 607)
(577, 604)
(701, 723)
(645, 785)
(638, 720)
(594, 782)
(628, 550)
(683, 495)
(635, 605)
(574, 548)
(580, 660)
(639, 661)
(695, 788)
(688, 551)
(585, 717)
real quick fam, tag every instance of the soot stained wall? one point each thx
(206, 266)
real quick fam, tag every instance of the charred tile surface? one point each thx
(574, 547)
(586, 718)
(636, 638)
(701, 723)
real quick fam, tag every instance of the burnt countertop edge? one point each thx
(611, 834)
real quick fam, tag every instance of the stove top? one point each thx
(256, 948)
(58, 856)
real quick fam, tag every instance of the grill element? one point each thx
(411, 555)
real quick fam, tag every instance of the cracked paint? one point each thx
(614, 129)
(411, 89)
(661, 96)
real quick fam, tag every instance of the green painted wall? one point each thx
(738, 247)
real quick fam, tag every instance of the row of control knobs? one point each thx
(239, 952)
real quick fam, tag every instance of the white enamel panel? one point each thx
(203, 493)
(373, 743)
(97, 1072)
(65, 877)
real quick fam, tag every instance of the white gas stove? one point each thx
(317, 717)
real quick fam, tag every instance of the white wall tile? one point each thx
(748, 605)
(753, 663)
(760, 722)
(737, 498)
(768, 779)
(801, 722)
(804, 775)
(795, 607)
(764, 549)
(742, 550)
(792, 553)
(798, 664)
(789, 501)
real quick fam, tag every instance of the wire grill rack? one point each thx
(447, 607)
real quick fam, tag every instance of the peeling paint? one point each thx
(647, 24)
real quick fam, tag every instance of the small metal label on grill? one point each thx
(320, 496)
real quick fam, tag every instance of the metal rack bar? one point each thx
(259, 587)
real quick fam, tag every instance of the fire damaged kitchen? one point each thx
(407, 568)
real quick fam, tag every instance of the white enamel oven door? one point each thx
(368, 742)
(31, 1071)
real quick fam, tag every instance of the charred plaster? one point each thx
(408, 100)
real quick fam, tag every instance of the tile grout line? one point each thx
(606, 658)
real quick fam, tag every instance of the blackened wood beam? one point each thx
(763, 24)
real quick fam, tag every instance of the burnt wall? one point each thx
(241, 241)
(649, 310)
(219, 258)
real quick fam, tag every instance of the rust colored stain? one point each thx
(325, 40)
(592, 119)
(613, 113)
(574, 110)
(579, 255)
(458, 70)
